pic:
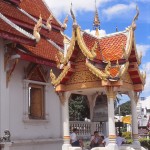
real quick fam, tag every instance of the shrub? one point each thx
(126, 135)
(145, 143)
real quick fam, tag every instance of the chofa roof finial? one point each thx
(64, 25)
(37, 28)
(135, 18)
(73, 16)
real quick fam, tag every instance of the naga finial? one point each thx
(73, 16)
(93, 50)
(135, 18)
(48, 22)
(52, 76)
(107, 68)
(64, 25)
(37, 28)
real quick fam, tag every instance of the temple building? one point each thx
(40, 68)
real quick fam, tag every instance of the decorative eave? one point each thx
(90, 54)
(57, 80)
(127, 50)
(100, 74)
(64, 60)
(123, 69)
(30, 36)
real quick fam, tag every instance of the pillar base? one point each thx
(112, 146)
(6, 145)
(66, 146)
(136, 143)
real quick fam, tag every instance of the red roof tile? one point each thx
(12, 12)
(37, 7)
(4, 27)
(43, 49)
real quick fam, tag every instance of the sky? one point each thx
(112, 13)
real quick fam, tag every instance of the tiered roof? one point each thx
(22, 16)
(109, 59)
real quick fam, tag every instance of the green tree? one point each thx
(125, 109)
(78, 107)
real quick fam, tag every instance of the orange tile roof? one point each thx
(6, 28)
(37, 7)
(43, 49)
(110, 48)
(90, 41)
(114, 71)
(12, 12)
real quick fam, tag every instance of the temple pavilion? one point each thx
(93, 65)
(40, 67)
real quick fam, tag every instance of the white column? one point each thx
(65, 119)
(133, 98)
(111, 95)
(4, 95)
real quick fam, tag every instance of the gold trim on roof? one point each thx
(48, 23)
(143, 77)
(37, 28)
(64, 25)
(55, 81)
(133, 25)
(60, 55)
(123, 70)
(129, 48)
(89, 54)
(96, 71)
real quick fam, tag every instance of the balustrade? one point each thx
(85, 128)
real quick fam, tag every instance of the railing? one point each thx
(85, 129)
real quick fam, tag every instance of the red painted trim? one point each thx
(36, 60)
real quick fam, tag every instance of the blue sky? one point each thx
(112, 13)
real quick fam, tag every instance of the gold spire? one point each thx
(96, 22)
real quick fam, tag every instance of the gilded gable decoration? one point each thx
(89, 54)
(48, 23)
(37, 28)
(102, 75)
(123, 70)
(56, 80)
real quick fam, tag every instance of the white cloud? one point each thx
(101, 32)
(119, 10)
(146, 67)
(142, 48)
(62, 7)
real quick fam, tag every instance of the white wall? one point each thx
(36, 134)
(35, 129)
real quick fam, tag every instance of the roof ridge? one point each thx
(107, 35)
(31, 17)
(13, 25)
(54, 44)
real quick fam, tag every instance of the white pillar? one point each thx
(133, 98)
(4, 95)
(111, 95)
(65, 119)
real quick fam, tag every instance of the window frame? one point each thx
(26, 114)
